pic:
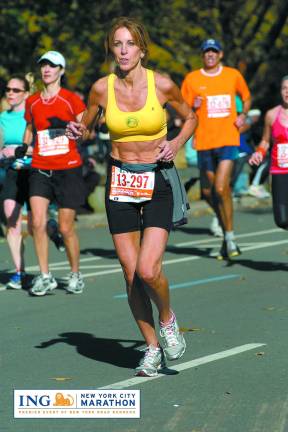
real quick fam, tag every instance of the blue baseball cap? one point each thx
(211, 44)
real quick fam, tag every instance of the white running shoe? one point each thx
(258, 191)
(42, 284)
(75, 283)
(174, 342)
(152, 361)
(215, 227)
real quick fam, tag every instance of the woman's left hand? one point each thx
(167, 152)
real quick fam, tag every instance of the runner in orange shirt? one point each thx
(211, 91)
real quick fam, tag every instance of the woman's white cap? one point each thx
(54, 57)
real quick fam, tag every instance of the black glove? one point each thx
(21, 151)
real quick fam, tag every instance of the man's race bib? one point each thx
(282, 155)
(218, 106)
(52, 142)
(130, 186)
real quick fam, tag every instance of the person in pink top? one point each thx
(276, 130)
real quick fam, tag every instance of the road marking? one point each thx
(194, 282)
(112, 270)
(189, 258)
(61, 263)
(136, 381)
(64, 265)
(238, 236)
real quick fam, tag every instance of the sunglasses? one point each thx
(14, 90)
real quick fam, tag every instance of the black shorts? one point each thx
(128, 217)
(16, 185)
(64, 187)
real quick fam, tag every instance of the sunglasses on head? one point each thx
(14, 90)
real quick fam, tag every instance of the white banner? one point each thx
(77, 403)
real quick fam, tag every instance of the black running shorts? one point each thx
(128, 217)
(16, 186)
(64, 187)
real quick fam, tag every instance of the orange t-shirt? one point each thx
(217, 112)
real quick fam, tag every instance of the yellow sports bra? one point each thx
(146, 124)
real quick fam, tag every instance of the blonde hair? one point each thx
(138, 32)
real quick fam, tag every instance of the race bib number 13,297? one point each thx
(130, 186)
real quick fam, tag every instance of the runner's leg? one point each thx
(66, 220)
(39, 207)
(280, 200)
(127, 246)
(223, 192)
(13, 214)
(149, 269)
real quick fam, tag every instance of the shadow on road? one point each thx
(193, 230)
(5, 276)
(105, 253)
(103, 350)
(190, 251)
(267, 266)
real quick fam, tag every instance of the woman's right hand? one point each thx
(256, 158)
(75, 130)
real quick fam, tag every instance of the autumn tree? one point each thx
(254, 34)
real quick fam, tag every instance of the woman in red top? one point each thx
(276, 127)
(56, 169)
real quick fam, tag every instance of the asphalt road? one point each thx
(233, 376)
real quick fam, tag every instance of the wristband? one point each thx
(262, 151)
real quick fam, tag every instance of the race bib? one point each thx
(218, 106)
(52, 142)
(131, 187)
(282, 155)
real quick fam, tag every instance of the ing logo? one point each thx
(132, 122)
(60, 400)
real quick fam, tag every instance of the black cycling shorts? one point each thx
(128, 217)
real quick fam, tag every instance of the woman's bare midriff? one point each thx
(137, 152)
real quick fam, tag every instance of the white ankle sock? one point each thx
(229, 235)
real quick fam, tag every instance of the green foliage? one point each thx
(254, 34)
